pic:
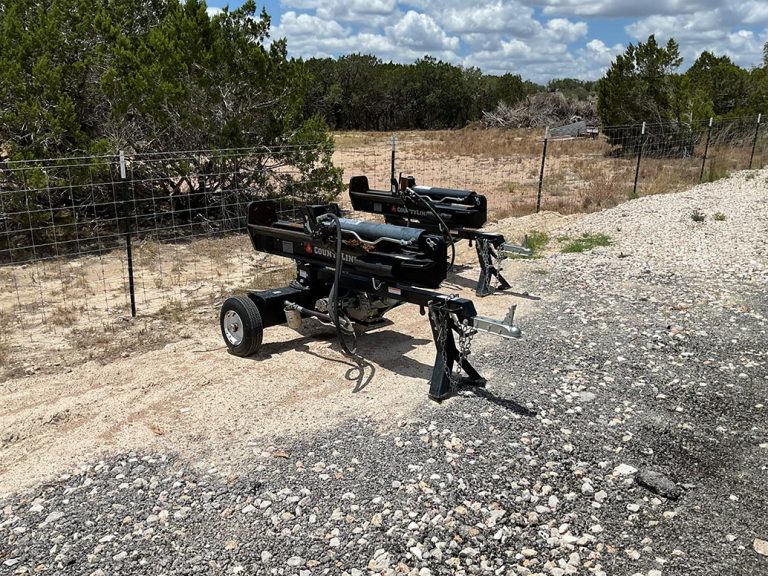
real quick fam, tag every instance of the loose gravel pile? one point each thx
(625, 434)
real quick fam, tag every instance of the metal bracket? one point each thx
(508, 249)
(496, 327)
(485, 255)
(447, 354)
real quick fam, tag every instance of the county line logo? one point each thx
(318, 251)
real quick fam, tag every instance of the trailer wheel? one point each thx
(241, 325)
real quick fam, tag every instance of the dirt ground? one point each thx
(165, 382)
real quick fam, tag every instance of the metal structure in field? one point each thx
(353, 272)
(456, 214)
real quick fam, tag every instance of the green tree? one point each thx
(573, 88)
(98, 76)
(642, 85)
(359, 91)
(639, 86)
(78, 76)
(720, 83)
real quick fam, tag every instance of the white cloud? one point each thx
(495, 17)
(538, 39)
(295, 26)
(567, 31)
(705, 31)
(624, 8)
(420, 32)
(368, 13)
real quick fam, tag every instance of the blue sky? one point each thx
(538, 39)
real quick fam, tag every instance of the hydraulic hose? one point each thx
(443, 226)
(333, 297)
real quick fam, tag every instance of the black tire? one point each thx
(240, 316)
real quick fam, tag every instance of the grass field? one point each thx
(580, 175)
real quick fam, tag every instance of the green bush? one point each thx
(584, 243)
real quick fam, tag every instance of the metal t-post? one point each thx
(541, 172)
(706, 150)
(392, 168)
(754, 141)
(639, 157)
(127, 229)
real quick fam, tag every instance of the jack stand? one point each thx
(447, 354)
(485, 253)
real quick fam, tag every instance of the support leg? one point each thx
(503, 284)
(485, 253)
(446, 355)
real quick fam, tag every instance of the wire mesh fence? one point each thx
(77, 233)
(624, 162)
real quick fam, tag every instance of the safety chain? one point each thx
(466, 333)
(441, 316)
(485, 255)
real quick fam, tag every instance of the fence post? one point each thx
(127, 229)
(392, 166)
(706, 150)
(754, 141)
(541, 172)
(639, 157)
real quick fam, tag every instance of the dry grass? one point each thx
(581, 175)
(65, 315)
(6, 321)
(175, 311)
(5, 353)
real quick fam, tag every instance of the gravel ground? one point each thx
(625, 434)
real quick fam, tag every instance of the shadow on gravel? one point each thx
(506, 403)
(457, 282)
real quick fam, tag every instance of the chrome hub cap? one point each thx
(233, 328)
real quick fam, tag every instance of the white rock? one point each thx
(295, 561)
(601, 496)
(760, 546)
(624, 470)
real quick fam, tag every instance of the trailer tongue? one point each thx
(353, 272)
